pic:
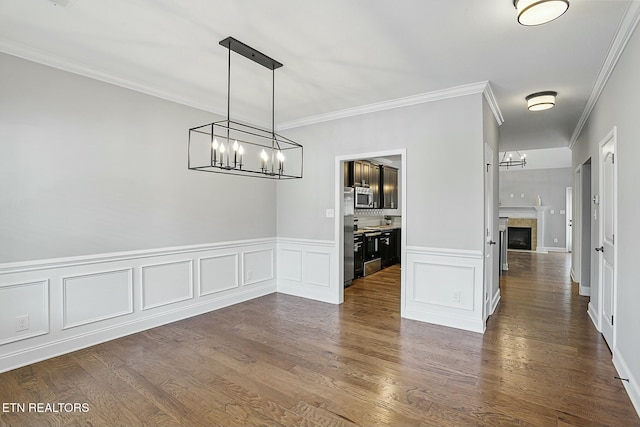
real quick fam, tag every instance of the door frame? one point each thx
(489, 231)
(338, 258)
(568, 238)
(611, 137)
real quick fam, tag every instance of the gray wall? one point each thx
(551, 185)
(618, 106)
(444, 171)
(87, 167)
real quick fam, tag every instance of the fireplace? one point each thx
(519, 238)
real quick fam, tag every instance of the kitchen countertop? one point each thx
(375, 228)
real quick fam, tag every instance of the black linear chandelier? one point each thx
(234, 148)
(508, 161)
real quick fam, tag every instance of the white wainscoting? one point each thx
(445, 287)
(305, 269)
(77, 302)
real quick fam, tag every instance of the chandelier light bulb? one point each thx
(214, 144)
(235, 145)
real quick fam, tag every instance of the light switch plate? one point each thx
(330, 213)
(552, 212)
(562, 212)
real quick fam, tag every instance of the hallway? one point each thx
(282, 360)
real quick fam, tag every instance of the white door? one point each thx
(607, 250)
(490, 240)
(569, 220)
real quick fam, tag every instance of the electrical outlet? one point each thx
(329, 213)
(555, 240)
(511, 196)
(552, 212)
(22, 323)
(456, 296)
(249, 275)
(522, 195)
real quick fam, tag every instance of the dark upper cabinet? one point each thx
(348, 174)
(374, 178)
(389, 182)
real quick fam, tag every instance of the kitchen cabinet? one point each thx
(389, 181)
(348, 174)
(361, 173)
(390, 247)
(374, 178)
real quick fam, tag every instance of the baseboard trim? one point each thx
(632, 388)
(584, 291)
(572, 273)
(505, 267)
(494, 302)
(593, 315)
(547, 249)
(466, 324)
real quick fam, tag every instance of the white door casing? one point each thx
(607, 249)
(490, 240)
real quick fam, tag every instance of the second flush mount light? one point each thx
(538, 12)
(540, 101)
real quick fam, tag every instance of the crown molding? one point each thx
(421, 98)
(624, 32)
(493, 103)
(41, 57)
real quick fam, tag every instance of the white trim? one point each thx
(572, 274)
(632, 388)
(298, 279)
(623, 34)
(493, 104)
(61, 338)
(593, 315)
(46, 264)
(45, 311)
(449, 253)
(128, 310)
(584, 291)
(546, 249)
(438, 95)
(494, 302)
(430, 273)
(143, 283)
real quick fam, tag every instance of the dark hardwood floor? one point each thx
(281, 360)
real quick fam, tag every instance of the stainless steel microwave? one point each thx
(364, 198)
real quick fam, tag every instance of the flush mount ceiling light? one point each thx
(537, 12)
(540, 101)
(235, 148)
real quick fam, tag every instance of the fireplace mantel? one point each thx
(535, 212)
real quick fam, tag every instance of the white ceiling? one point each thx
(337, 54)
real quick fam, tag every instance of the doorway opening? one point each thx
(367, 216)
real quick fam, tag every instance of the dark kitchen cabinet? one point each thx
(386, 249)
(361, 173)
(389, 181)
(374, 178)
(348, 174)
(390, 247)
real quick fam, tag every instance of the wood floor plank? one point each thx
(282, 360)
